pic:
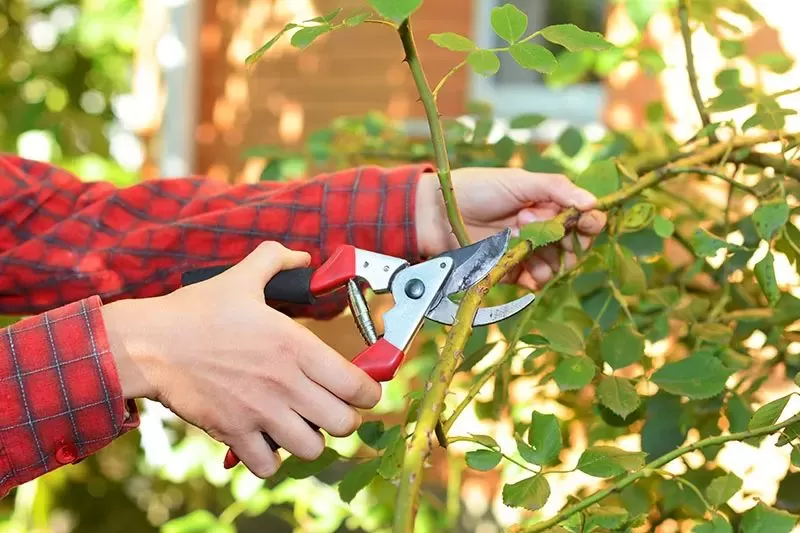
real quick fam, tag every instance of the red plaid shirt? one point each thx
(66, 246)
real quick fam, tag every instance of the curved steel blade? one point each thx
(445, 311)
(472, 263)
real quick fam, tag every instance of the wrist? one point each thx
(134, 329)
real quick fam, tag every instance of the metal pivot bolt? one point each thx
(360, 311)
(415, 288)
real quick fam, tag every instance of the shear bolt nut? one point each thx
(415, 289)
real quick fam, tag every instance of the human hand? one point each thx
(221, 359)
(492, 199)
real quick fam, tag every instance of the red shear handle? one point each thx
(380, 361)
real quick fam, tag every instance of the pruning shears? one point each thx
(419, 291)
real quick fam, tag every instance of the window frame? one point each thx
(579, 104)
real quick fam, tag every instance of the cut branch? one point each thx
(651, 468)
(437, 133)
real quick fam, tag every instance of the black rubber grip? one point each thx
(290, 286)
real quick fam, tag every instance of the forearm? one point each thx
(61, 395)
(84, 239)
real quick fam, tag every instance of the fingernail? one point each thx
(526, 217)
(230, 460)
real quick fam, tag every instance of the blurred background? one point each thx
(130, 90)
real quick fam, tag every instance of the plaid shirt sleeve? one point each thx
(67, 245)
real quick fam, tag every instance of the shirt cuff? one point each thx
(60, 396)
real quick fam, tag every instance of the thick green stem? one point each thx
(437, 133)
(652, 467)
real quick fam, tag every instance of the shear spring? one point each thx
(360, 310)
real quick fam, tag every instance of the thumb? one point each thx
(268, 259)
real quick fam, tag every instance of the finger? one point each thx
(570, 260)
(268, 259)
(294, 434)
(584, 241)
(561, 190)
(256, 455)
(325, 410)
(539, 270)
(330, 370)
(536, 214)
(550, 255)
(526, 281)
(592, 223)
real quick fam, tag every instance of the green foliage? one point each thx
(630, 338)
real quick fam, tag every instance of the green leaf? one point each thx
(355, 20)
(474, 357)
(764, 271)
(663, 226)
(509, 22)
(575, 39)
(797, 379)
(255, 56)
(544, 436)
(641, 11)
(728, 78)
(533, 57)
(529, 120)
(651, 61)
(370, 432)
(718, 524)
(638, 216)
(531, 493)
(763, 519)
(705, 244)
(622, 346)
(483, 62)
(714, 333)
(738, 413)
(453, 41)
(699, 376)
(572, 67)
(795, 457)
(358, 478)
(626, 272)
(534, 340)
(729, 99)
(608, 461)
(722, 489)
(295, 468)
(542, 233)
(571, 141)
(305, 36)
(768, 413)
(619, 395)
(607, 517)
(775, 62)
(600, 178)
(392, 459)
(396, 10)
(483, 460)
(769, 218)
(574, 373)
(731, 49)
(485, 440)
(561, 337)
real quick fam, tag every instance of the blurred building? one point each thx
(214, 107)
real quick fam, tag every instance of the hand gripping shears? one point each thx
(419, 291)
